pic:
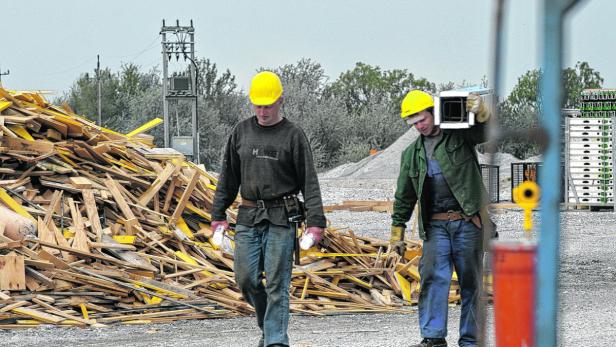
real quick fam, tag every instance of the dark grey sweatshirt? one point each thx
(267, 163)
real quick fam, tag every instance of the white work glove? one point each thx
(219, 227)
(475, 104)
(310, 237)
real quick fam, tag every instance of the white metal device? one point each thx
(450, 107)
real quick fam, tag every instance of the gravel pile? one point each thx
(385, 165)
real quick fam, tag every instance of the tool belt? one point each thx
(263, 203)
(455, 215)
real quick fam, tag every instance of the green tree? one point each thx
(521, 108)
(366, 84)
(83, 95)
(576, 79)
(220, 107)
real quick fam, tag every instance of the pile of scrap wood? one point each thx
(99, 227)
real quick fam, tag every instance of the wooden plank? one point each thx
(80, 182)
(50, 122)
(129, 256)
(57, 262)
(80, 240)
(131, 221)
(45, 235)
(60, 313)
(12, 272)
(17, 144)
(86, 255)
(39, 276)
(40, 264)
(14, 305)
(157, 185)
(92, 211)
(38, 315)
(185, 196)
(54, 135)
(169, 196)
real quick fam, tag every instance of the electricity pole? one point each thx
(98, 82)
(3, 74)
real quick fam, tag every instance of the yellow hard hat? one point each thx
(265, 88)
(415, 101)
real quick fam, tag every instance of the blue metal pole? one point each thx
(546, 321)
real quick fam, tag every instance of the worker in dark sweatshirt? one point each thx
(267, 157)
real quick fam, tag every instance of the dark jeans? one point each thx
(266, 248)
(449, 244)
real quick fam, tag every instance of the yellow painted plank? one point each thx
(165, 230)
(4, 105)
(147, 126)
(181, 224)
(13, 205)
(329, 255)
(84, 311)
(129, 167)
(187, 258)
(158, 289)
(39, 99)
(405, 286)
(358, 281)
(21, 131)
(125, 239)
(67, 159)
(198, 211)
(203, 172)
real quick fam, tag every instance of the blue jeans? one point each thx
(266, 248)
(449, 244)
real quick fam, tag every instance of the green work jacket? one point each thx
(457, 158)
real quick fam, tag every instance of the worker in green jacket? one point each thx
(440, 171)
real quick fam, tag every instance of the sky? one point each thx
(46, 45)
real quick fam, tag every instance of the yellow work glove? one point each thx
(396, 240)
(475, 104)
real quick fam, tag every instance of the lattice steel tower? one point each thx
(179, 41)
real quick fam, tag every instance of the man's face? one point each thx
(270, 114)
(426, 125)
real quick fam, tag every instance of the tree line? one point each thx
(343, 118)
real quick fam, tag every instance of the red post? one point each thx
(513, 265)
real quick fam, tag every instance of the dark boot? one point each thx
(429, 342)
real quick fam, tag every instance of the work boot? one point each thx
(429, 342)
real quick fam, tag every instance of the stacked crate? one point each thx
(589, 154)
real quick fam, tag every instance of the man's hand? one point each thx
(217, 223)
(316, 232)
(396, 240)
(475, 104)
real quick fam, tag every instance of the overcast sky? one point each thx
(47, 44)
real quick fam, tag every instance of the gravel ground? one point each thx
(587, 289)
